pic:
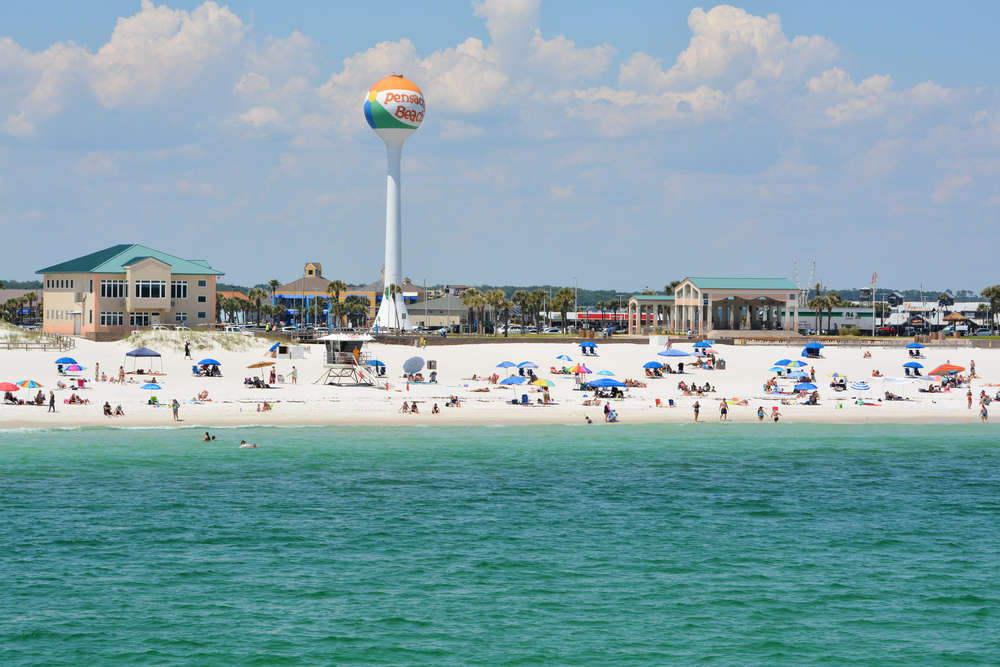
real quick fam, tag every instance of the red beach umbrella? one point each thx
(944, 369)
(8, 386)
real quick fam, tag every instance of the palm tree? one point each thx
(219, 302)
(274, 284)
(537, 304)
(335, 289)
(818, 305)
(833, 300)
(495, 299)
(669, 287)
(30, 297)
(257, 296)
(356, 307)
(562, 301)
(470, 299)
(521, 298)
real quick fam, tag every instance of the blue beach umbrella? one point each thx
(796, 375)
(814, 346)
(915, 346)
(506, 364)
(564, 357)
(151, 385)
(860, 386)
(375, 362)
(209, 362)
(913, 364)
(703, 343)
(795, 364)
(273, 347)
(783, 362)
(527, 364)
(588, 343)
(805, 386)
(65, 360)
(513, 379)
(606, 382)
(673, 353)
(653, 364)
(605, 373)
(777, 369)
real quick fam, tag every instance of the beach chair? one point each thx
(658, 403)
(524, 399)
(670, 403)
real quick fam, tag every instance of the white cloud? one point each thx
(457, 130)
(261, 116)
(95, 164)
(950, 188)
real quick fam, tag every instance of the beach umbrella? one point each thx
(273, 347)
(777, 369)
(797, 375)
(506, 364)
(543, 383)
(513, 379)
(915, 346)
(945, 369)
(73, 368)
(588, 343)
(673, 353)
(805, 386)
(913, 364)
(261, 364)
(606, 382)
(791, 364)
(703, 343)
(860, 386)
(8, 386)
(374, 362)
(653, 364)
(209, 362)
(837, 375)
(564, 357)
(782, 362)
(413, 364)
(151, 385)
(580, 368)
(814, 346)
(65, 360)
(28, 384)
(527, 364)
(605, 373)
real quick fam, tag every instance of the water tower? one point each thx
(394, 108)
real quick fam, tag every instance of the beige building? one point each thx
(110, 292)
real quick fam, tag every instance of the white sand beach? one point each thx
(232, 403)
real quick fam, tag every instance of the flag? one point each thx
(874, 277)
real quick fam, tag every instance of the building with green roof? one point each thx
(107, 293)
(701, 305)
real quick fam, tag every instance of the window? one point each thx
(114, 289)
(110, 319)
(202, 299)
(151, 289)
(178, 289)
(202, 283)
(91, 286)
(181, 317)
(71, 284)
(138, 319)
(90, 317)
(201, 316)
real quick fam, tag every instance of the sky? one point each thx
(613, 145)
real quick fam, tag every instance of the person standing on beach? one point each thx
(984, 414)
(187, 349)
(121, 374)
(175, 407)
(760, 413)
(52, 401)
(97, 371)
(968, 398)
(697, 408)
(295, 375)
(723, 411)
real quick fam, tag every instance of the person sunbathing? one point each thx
(405, 409)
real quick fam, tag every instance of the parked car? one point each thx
(551, 330)
(982, 331)
(885, 331)
(289, 329)
(160, 327)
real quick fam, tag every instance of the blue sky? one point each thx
(621, 145)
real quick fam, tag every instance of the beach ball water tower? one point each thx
(394, 108)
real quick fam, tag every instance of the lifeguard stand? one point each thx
(346, 359)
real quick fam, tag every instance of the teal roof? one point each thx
(653, 297)
(744, 283)
(117, 257)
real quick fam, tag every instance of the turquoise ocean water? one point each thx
(726, 544)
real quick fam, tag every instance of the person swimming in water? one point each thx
(247, 445)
